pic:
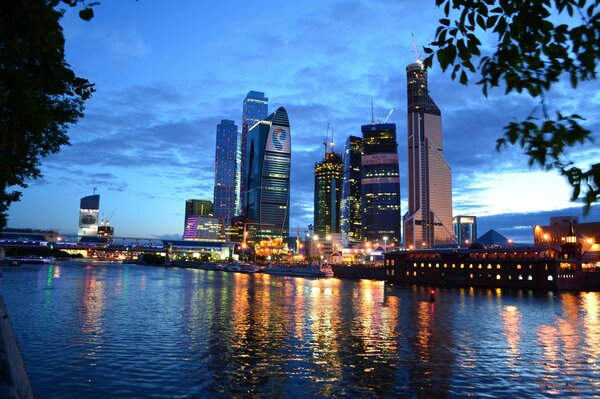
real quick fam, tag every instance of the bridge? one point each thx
(111, 246)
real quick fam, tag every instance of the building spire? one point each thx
(325, 144)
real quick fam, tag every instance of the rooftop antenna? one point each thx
(417, 55)
(94, 185)
(372, 114)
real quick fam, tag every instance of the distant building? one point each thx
(197, 207)
(351, 212)
(465, 229)
(267, 183)
(255, 109)
(554, 233)
(205, 228)
(89, 209)
(493, 239)
(225, 171)
(428, 222)
(328, 193)
(380, 183)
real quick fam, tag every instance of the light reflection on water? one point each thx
(107, 330)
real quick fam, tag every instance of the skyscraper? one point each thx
(465, 229)
(428, 221)
(351, 212)
(267, 182)
(89, 208)
(255, 109)
(380, 183)
(225, 171)
(329, 175)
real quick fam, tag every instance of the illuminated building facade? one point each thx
(428, 222)
(254, 109)
(554, 234)
(328, 193)
(225, 171)
(204, 228)
(197, 207)
(88, 216)
(465, 229)
(267, 181)
(351, 212)
(380, 183)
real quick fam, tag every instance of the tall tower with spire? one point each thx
(329, 174)
(428, 221)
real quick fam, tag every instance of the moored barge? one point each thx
(511, 267)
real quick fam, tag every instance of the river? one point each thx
(106, 330)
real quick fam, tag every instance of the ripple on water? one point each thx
(100, 330)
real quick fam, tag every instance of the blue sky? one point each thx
(166, 74)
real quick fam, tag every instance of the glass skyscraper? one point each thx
(197, 207)
(351, 212)
(428, 221)
(267, 181)
(255, 109)
(380, 183)
(329, 175)
(465, 229)
(225, 171)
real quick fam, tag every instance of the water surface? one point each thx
(99, 330)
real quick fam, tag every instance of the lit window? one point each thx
(518, 267)
(498, 266)
(520, 277)
(550, 278)
(479, 266)
(530, 277)
(498, 277)
(489, 266)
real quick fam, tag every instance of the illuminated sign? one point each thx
(279, 139)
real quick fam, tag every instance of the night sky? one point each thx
(167, 72)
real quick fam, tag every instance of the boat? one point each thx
(35, 260)
(322, 270)
(232, 267)
(248, 268)
(525, 267)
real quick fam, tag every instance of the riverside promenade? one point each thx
(14, 380)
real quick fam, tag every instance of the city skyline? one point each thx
(145, 135)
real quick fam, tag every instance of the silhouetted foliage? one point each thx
(39, 94)
(538, 43)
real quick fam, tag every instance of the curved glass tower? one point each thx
(428, 222)
(267, 181)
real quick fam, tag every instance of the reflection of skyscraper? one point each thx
(267, 194)
(88, 216)
(428, 221)
(351, 212)
(380, 183)
(255, 109)
(225, 171)
(465, 229)
(328, 193)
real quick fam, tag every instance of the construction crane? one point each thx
(325, 140)
(417, 55)
(388, 117)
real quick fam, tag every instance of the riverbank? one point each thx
(14, 380)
